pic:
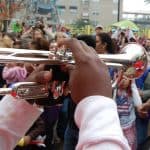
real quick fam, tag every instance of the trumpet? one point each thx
(132, 60)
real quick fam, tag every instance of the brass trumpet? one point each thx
(132, 60)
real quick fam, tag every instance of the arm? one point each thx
(17, 116)
(49, 34)
(135, 93)
(8, 73)
(27, 33)
(14, 74)
(97, 119)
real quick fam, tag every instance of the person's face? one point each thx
(38, 34)
(59, 37)
(53, 46)
(100, 47)
(148, 43)
(124, 83)
(98, 30)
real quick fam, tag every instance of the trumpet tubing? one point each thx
(131, 56)
(132, 60)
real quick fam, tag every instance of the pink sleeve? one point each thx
(16, 117)
(99, 125)
(14, 74)
(8, 73)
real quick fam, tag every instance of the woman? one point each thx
(104, 44)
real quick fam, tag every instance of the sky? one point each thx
(136, 6)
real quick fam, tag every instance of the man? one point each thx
(98, 29)
(96, 112)
(147, 45)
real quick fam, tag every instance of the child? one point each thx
(127, 98)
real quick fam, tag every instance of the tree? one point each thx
(7, 10)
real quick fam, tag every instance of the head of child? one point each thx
(125, 84)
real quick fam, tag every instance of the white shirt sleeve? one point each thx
(135, 94)
(16, 117)
(99, 125)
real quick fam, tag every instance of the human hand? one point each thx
(90, 75)
(29, 67)
(142, 111)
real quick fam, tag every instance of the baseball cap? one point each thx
(99, 26)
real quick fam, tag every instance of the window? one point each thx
(61, 9)
(85, 14)
(85, 2)
(95, 13)
(73, 9)
(140, 16)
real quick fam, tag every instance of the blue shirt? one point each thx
(140, 81)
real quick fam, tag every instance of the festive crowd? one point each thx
(56, 128)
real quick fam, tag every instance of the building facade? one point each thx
(104, 12)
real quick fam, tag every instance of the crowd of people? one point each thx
(56, 125)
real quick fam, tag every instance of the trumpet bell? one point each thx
(139, 61)
(132, 60)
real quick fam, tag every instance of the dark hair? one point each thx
(40, 44)
(88, 39)
(106, 39)
(122, 34)
(132, 39)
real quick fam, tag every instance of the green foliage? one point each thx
(82, 23)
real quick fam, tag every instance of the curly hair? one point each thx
(106, 39)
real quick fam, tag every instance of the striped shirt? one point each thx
(126, 110)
